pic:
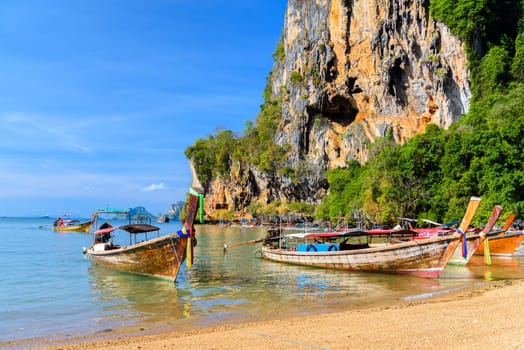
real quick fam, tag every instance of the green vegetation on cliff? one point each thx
(433, 175)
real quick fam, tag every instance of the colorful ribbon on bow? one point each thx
(464, 243)
(187, 232)
(184, 231)
(200, 203)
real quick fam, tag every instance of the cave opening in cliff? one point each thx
(338, 109)
(397, 82)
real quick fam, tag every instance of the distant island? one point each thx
(174, 210)
(140, 213)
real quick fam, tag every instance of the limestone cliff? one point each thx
(351, 71)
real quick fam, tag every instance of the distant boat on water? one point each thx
(162, 218)
(73, 225)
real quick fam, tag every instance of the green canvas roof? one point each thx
(113, 211)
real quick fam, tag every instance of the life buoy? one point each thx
(311, 247)
(333, 247)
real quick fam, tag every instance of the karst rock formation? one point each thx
(351, 71)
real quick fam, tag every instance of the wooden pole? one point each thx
(254, 241)
(474, 203)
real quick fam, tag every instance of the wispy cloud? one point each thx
(44, 132)
(154, 187)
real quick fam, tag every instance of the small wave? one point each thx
(440, 292)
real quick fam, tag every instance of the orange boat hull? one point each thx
(503, 244)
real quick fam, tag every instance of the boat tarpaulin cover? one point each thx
(104, 230)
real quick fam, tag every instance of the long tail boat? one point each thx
(422, 258)
(160, 256)
(74, 225)
(472, 241)
(503, 242)
(418, 257)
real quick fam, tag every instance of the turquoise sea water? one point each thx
(51, 291)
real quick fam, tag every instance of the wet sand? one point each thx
(487, 316)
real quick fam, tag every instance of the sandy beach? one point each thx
(487, 316)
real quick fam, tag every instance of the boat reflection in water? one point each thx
(502, 267)
(129, 299)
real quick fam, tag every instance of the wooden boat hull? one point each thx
(503, 244)
(422, 258)
(160, 257)
(82, 227)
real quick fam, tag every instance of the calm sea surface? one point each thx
(50, 290)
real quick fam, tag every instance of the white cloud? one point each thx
(154, 187)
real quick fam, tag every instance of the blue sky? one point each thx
(100, 98)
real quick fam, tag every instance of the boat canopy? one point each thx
(326, 234)
(355, 233)
(332, 234)
(408, 219)
(113, 211)
(393, 231)
(432, 222)
(297, 235)
(139, 228)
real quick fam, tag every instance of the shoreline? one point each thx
(484, 316)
